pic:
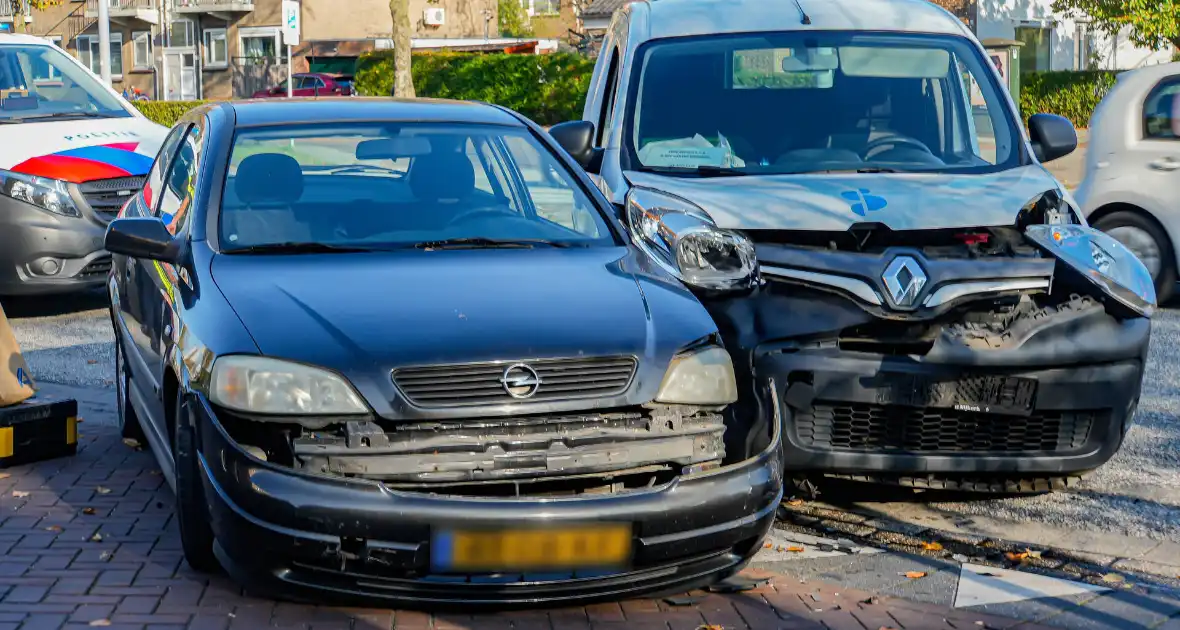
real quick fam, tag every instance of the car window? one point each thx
(155, 179)
(1161, 111)
(39, 82)
(394, 185)
(176, 197)
(610, 94)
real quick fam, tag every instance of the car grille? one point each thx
(107, 196)
(100, 266)
(481, 383)
(880, 428)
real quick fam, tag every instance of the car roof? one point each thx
(350, 109)
(21, 38)
(684, 18)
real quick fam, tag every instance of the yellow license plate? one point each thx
(591, 546)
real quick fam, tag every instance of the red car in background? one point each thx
(312, 84)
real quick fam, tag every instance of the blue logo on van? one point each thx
(863, 202)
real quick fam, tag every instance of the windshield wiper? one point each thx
(299, 248)
(705, 170)
(65, 115)
(480, 242)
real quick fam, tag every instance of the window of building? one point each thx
(89, 55)
(216, 49)
(181, 34)
(542, 7)
(143, 50)
(259, 42)
(1036, 54)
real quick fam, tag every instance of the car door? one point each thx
(305, 86)
(1157, 156)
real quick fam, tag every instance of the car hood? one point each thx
(81, 150)
(379, 311)
(829, 202)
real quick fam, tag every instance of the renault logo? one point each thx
(521, 381)
(905, 280)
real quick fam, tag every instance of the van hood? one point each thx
(828, 202)
(82, 150)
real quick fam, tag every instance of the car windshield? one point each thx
(39, 83)
(374, 186)
(818, 101)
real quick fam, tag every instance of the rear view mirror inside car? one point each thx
(808, 59)
(393, 148)
(894, 63)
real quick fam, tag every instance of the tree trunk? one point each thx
(403, 79)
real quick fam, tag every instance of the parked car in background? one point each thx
(312, 84)
(72, 152)
(915, 295)
(1133, 169)
(376, 363)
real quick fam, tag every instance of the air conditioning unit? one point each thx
(434, 16)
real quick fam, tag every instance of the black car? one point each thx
(403, 352)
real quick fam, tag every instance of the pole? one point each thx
(290, 82)
(104, 40)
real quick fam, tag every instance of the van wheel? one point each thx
(1149, 244)
(129, 425)
(192, 511)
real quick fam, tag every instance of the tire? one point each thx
(1133, 229)
(129, 425)
(192, 510)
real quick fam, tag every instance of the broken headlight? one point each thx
(682, 238)
(259, 385)
(1100, 259)
(704, 377)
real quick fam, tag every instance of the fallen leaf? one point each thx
(795, 502)
(97, 537)
(1033, 554)
(796, 549)
(1016, 557)
(887, 628)
(102, 490)
(101, 622)
(131, 443)
(88, 511)
(54, 528)
(768, 546)
(5, 475)
(79, 419)
(711, 626)
(20, 494)
(92, 362)
(1112, 578)
(872, 601)
(932, 546)
(104, 556)
(915, 575)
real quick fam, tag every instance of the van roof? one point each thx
(21, 38)
(681, 18)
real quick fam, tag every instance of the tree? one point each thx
(403, 78)
(513, 20)
(19, 7)
(1152, 23)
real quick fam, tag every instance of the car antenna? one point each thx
(806, 19)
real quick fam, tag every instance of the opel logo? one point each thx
(905, 280)
(521, 381)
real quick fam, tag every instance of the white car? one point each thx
(1133, 169)
(72, 152)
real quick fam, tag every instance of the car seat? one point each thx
(443, 184)
(267, 185)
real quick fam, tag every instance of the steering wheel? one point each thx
(480, 213)
(894, 141)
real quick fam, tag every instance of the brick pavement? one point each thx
(89, 542)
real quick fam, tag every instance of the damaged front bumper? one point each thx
(352, 521)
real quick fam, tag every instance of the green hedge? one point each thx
(165, 112)
(1065, 93)
(547, 88)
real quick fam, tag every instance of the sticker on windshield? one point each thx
(690, 153)
(863, 202)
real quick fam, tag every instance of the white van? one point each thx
(72, 152)
(849, 189)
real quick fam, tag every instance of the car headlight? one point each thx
(47, 194)
(703, 377)
(682, 239)
(1100, 259)
(260, 385)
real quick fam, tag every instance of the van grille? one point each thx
(107, 196)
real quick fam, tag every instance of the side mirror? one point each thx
(577, 138)
(142, 237)
(1052, 136)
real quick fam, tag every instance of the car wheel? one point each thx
(1149, 243)
(128, 420)
(192, 511)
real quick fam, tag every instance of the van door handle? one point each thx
(1165, 164)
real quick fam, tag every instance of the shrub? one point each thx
(1073, 94)
(166, 112)
(547, 88)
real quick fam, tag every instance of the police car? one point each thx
(72, 152)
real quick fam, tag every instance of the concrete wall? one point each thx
(370, 19)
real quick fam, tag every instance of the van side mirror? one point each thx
(142, 237)
(577, 138)
(1052, 136)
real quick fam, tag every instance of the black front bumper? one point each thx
(313, 537)
(29, 237)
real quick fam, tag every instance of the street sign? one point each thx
(291, 22)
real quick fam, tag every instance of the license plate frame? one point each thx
(567, 547)
(990, 394)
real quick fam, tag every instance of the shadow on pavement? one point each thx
(16, 307)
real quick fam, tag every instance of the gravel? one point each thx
(65, 340)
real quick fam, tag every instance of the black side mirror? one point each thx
(1052, 136)
(577, 138)
(142, 237)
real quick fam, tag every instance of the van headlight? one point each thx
(1102, 260)
(260, 385)
(683, 239)
(703, 377)
(48, 194)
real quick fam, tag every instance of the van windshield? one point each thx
(40, 83)
(805, 102)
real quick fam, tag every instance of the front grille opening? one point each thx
(107, 196)
(610, 483)
(900, 429)
(492, 383)
(99, 267)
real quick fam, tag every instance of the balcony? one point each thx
(224, 7)
(127, 10)
(8, 10)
